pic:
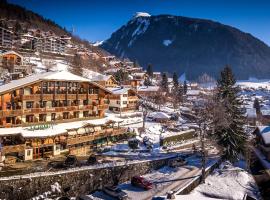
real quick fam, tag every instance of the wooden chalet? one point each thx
(34, 111)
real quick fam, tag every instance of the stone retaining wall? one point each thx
(73, 183)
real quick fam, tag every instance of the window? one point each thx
(118, 102)
(42, 117)
(43, 104)
(124, 102)
(85, 113)
(28, 152)
(29, 104)
(85, 102)
(53, 116)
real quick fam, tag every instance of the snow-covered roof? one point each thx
(160, 115)
(57, 129)
(265, 112)
(95, 76)
(193, 92)
(148, 88)
(119, 90)
(264, 131)
(11, 52)
(61, 76)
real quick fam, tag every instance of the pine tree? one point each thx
(229, 130)
(149, 71)
(175, 80)
(185, 87)
(257, 106)
(147, 82)
(121, 76)
(164, 83)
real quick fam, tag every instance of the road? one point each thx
(165, 179)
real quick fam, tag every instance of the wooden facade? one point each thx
(46, 101)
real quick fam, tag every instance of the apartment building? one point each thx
(6, 38)
(14, 63)
(35, 110)
(123, 99)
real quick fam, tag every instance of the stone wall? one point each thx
(73, 183)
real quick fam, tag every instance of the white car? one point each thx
(115, 192)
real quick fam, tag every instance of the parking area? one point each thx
(165, 179)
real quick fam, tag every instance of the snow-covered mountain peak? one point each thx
(141, 14)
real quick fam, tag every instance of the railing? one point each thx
(5, 113)
(10, 113)
(78, 139)
(36, 97)
(103, 107)
(133, 98)
(13, 148)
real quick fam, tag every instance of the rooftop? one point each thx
(59, 76)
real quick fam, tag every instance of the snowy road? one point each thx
(164, 179)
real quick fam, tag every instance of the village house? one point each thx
(123, 99)
(147, 91)
(132, 83)
(263, 140)
(34, 111)
(107, 81)
(14, 63)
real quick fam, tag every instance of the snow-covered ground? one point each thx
(54, 64)
(254, 83)
(226, 182)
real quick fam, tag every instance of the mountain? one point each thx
(11, 13)
(190, 46)
(20, 20)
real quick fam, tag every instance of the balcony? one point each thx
(13, 148)
(133, 98)
(103, 107)
(78, 139)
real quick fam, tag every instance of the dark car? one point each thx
(71, 161)
(115, 192)
(141, 182)
(92, 160)
(84, 197)
(56, 164)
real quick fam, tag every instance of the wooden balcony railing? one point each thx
(13, 148)
(78, 139)
(10, 113)
(103, 107)
(48, 97)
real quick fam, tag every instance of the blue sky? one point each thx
(96, 20)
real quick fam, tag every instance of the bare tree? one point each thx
(143, 103)
(204, 120)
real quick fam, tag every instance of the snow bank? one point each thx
(227, 182)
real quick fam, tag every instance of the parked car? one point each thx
(71, 161)
(177, 162)
(159, 198)
(56, 164)
(141, 182)
(115, 192)
(92, 160)
(84, 197)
